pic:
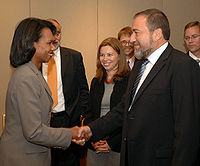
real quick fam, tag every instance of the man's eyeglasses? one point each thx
(187, 38)
(124, 42)
(58, 33)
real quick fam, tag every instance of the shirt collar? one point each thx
(156, 54)
(57, 51)
(131, 60)
(193, 56)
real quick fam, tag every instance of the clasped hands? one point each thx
(101, 146)
(81, 134)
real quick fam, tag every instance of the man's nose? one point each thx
(190, 39)
(132, 39)
(127, 43)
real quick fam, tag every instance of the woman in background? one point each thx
(106, 91)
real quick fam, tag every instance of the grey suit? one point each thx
(27, 136)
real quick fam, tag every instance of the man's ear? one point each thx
(157, 34)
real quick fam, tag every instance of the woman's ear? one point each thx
(34, 45)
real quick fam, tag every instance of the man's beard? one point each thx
(143, 54)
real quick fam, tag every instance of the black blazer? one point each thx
(75, 87)
(163, 126)
(197, 162)
(96, 94)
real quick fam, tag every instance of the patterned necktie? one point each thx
(52, 80)
(137, 80)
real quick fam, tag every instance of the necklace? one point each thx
(108, 82)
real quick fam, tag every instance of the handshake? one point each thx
(81, 134)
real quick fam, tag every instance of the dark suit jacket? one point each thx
(197, 162)
(75, 87)
(163, 126)
(96, 94)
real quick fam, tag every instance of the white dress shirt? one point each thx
(61, 102)
(131, 62)
(152, 60)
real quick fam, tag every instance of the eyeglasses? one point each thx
(124, 42)
(58, 33)
(187, 38)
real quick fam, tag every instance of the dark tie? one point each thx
(137, 80)
(128, 63)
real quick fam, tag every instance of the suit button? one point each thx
(124, 139)
(131, 117)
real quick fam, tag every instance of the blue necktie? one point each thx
(137, 80)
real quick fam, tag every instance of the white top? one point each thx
(61, 102)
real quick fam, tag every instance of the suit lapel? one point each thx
(154, 71)
(133, 75)
(66, 67)
(41, 78)
(62, 62)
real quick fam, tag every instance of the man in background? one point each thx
(70, 97)
(124, 36)
(192, 43)
(192, 40)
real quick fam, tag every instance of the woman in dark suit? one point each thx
(106, 90)
(27, 136)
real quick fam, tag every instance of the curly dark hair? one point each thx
(27, 32)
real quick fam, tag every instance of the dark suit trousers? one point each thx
(70, 156)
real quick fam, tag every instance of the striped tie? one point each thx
(137, 80)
